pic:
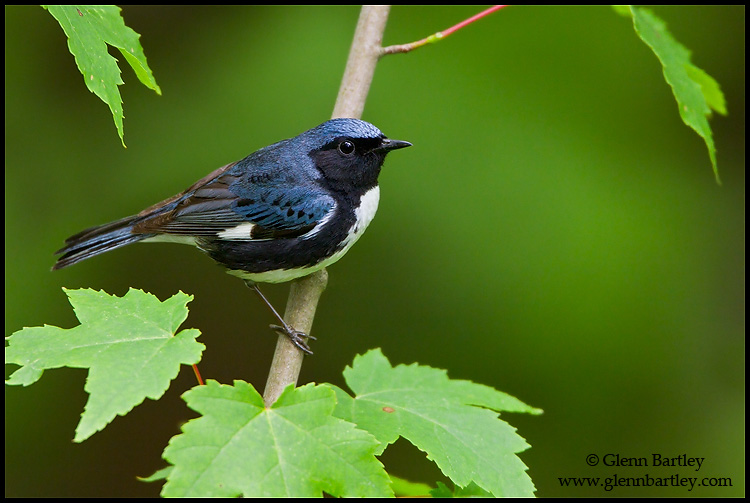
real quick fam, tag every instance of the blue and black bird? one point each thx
(284, 211)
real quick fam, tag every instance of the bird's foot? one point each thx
(297, 337)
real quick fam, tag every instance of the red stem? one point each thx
(460, 25)
(393, 49)
(198, 374)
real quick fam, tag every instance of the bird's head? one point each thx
(348, 152)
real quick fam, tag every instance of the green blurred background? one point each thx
(555, 232)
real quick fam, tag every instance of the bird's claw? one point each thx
(297, 337)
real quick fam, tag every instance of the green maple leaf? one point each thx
(455, 422)
(471, 491)
(128, 344)
(696, 92)
(294, 448)
(89, 29)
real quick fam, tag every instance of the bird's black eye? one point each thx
(346, 147)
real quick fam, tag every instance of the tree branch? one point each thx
(363, 56)
(436, 37)
(305, 292)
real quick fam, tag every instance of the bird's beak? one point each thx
(388, 144)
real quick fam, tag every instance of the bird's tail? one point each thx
(96, 240)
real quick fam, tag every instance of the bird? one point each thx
(283, 212)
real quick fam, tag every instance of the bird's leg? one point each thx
(297, 337)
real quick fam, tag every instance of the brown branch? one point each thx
(305, 292)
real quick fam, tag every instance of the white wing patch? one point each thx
(241, 232)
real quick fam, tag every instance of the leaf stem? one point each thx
(198, 375)
(436, 37)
